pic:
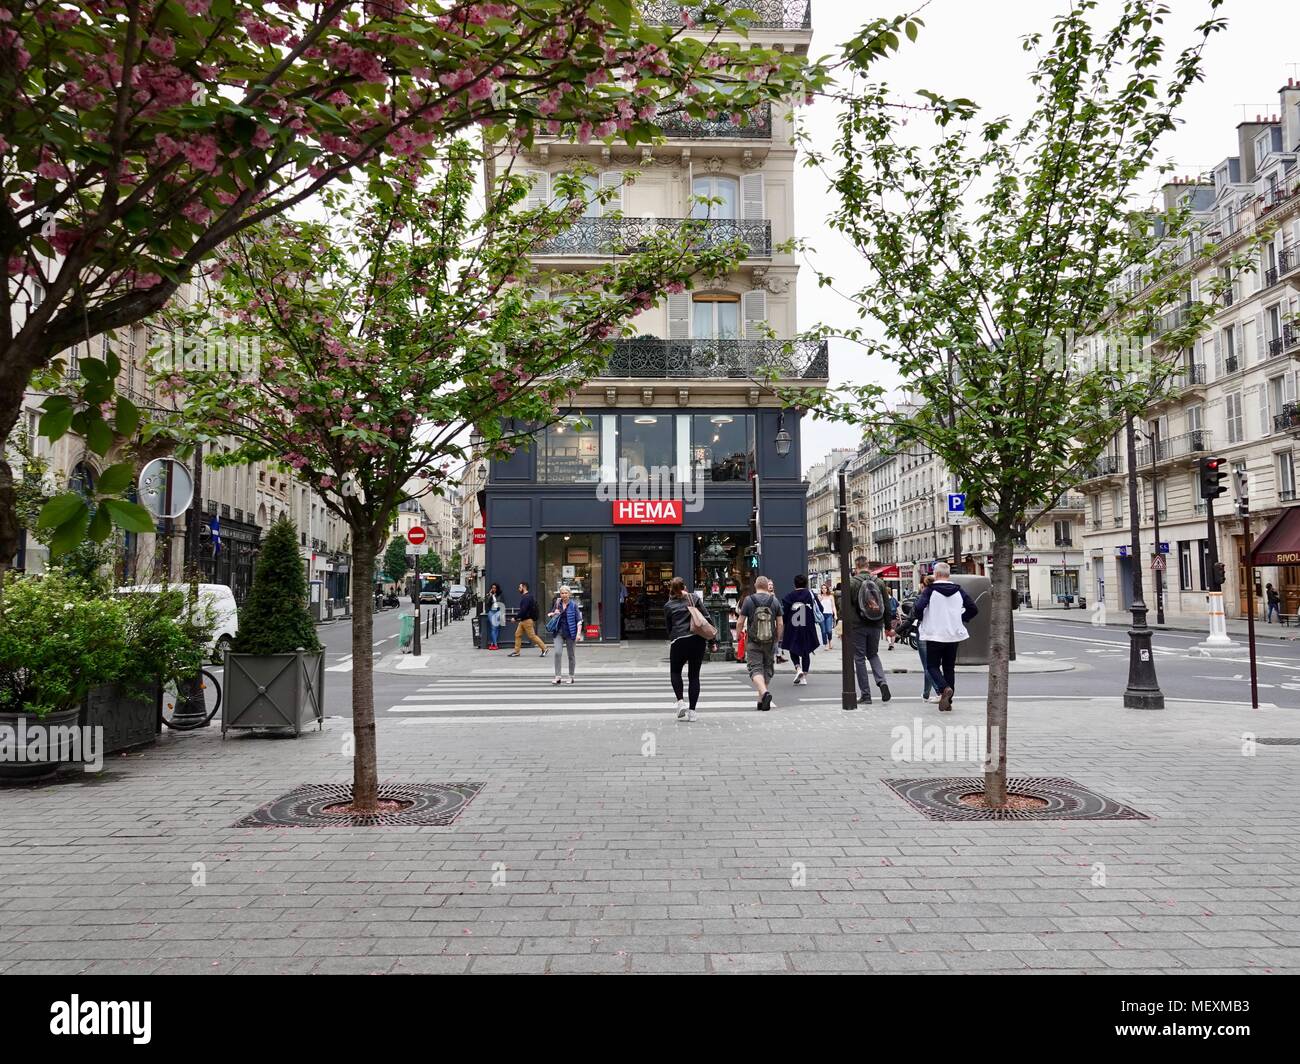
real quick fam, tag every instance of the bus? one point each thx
(431, 588)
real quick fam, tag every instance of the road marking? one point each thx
(476, 709)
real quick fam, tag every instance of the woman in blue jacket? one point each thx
(802, 635)
(569, 615)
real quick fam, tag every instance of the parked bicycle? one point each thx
(173, 696)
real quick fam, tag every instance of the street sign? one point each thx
(480, 535)
(165, 487)
(956, 502)
(1158, 561)
(415, 535)
(1164, 546)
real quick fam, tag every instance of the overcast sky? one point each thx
(974, 50)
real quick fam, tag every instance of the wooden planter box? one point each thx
(283, 692)
(130, 716)
(56, 751)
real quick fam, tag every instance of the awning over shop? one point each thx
(1280, 543)
(886, 572)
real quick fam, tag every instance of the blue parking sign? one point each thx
(957, 502)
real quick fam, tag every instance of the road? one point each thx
(1099, 657)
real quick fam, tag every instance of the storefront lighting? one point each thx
(722, 419)
(646, 419)
(783, 439)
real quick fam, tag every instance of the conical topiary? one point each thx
(275, 619)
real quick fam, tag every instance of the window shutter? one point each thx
(540, 193)
(1265, 426)
(1261, 348)
(754, 308)
(613, 179)
(679, 316)
(1218, 356)
(753, 208)
(1288, 388)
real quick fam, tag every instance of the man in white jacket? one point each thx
(942, 611)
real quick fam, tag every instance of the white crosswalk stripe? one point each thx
(538, 698)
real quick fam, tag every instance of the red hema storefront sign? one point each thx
(647, 511)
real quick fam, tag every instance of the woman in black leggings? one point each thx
(686, 648)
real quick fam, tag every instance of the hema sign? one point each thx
(648, 511)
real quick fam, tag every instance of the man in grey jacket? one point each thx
(869, 599)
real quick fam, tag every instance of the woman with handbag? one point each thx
(564, 622)
(689, 631)
(496, 614)
(802, 635)
(829, 606)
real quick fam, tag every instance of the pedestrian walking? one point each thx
(526, 621)
(496, 614)
(907, 629)
(893, 615)
(942, 611)
(688, 629)
(761, 624)
(803, 614)
(829, 608)
(1274, 601)
(564, 622)
(869, 599)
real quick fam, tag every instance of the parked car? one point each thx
(219, 600)
(457, 592)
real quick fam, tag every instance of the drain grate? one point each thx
(940, 799)
(1278, 742)
(425, 805)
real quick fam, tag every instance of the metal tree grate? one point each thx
(940, 799)
(431, 805)
(1278, 742)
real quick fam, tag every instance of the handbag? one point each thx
(740, 647)
(700, 625)
(818, 616)
(553, 624)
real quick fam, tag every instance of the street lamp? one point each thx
(783, 438)
(1154, 439)
(1143, 691)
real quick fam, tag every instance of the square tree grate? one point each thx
(1278, 742)
(423, 805)
(940, 799)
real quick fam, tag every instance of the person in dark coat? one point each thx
(802, 634)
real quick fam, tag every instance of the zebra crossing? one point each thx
(592, 697)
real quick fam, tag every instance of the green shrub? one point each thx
(165, 639)
(275, 618)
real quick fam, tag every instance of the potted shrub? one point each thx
(59, 638)
(275, 670)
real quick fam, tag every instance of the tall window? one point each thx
(570, 452)
(1286, 475)
(645, 442)
(1233, 406)
(1195, 418)
(726, 190)
(724, 445)
(1184, 565)
(715, 316)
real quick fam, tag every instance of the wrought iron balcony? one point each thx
(619, 236)
(739, 359)
(1286, 494)
(882, 535)
(1288, 420)
(1069, 501)
(769, 14)
(756, 125)
(1230, 364)
(1192, 376)
(1173, 448)
(1288, 341)
(1105, 466)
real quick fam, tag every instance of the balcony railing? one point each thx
(882, 535)
(1286, 495)
(1105, 466)
(1064, 542)
(1230, 364)
(1289, 339)
(1173, 447)
(1198, 509)
(1288, 420)
(754, 125)
(618, 236)
(769, 14)
(737, 359)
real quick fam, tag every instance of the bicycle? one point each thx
(211, 688)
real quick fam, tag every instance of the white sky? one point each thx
(974, 50)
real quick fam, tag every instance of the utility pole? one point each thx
(1155, 509)
(1143, 690)
(844, 541)
(191, 708)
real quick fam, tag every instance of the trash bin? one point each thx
(407, 632)
(975, 650)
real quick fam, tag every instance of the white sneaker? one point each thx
(681, 709)
(691, 716)
(798, 677)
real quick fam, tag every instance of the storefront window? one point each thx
(574, 560)
(570, 452)
(723, 444)
(645, 443)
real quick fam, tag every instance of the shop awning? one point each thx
(886, 572)
(1280, 543)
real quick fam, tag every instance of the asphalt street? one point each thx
(1098, 658)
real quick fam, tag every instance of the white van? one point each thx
(216, 598)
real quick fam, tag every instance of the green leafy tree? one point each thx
(433, 563)
(393, 329)
(395, 562)
(1006, 266)
(275, 618)
(455, 566)
(138, 137)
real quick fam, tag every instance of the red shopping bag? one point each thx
(740, 647)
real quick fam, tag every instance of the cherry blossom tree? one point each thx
(137, 136)
(408, 317)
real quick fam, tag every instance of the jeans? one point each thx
(527, 630)
(1273, 608)
(687, 650)
(562, 638)
(925, 668)
(828, 627)
(941, 664)
(866, 648)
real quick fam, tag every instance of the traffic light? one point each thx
(1214, 471)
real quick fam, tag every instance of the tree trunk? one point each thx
(995, 769)
(365, 765)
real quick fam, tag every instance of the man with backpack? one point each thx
(869, 599)
(761, 623)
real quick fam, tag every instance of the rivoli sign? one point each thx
(648, 511)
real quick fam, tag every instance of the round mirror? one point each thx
(166, 487)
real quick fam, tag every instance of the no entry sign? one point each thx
(415, 535)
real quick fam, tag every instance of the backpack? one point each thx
(867, 600)
(762, 626)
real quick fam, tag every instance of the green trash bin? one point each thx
(407, 633)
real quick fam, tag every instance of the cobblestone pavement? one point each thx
(741, 844)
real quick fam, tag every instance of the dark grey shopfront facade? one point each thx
(545, 531)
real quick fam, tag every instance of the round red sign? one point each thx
(415, 535)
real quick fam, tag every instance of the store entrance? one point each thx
(645, 570)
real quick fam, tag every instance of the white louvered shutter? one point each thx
(679, 316)
(1218, 356)
(613, 179)
(539, 195)
(1261, 347)
(1288, 388)
(753, 208)
(754, 309)
(1265, 425)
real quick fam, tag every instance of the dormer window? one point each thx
(1263, 146)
